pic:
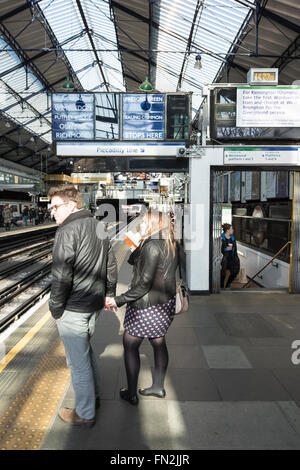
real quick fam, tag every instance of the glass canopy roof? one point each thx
(87, 32)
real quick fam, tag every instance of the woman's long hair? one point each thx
(159, 226)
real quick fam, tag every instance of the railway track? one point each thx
(25, 239)
(25, 288)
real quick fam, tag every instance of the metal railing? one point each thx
(267, 264)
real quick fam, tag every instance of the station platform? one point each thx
(23, 229)
(231, 383)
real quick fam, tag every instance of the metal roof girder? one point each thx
(99, 62)
(56, 45)
(23, 100)
(113, 18)
(283, 61)
(23, 64)
(21, 54)
(23, 126)
(199, 4)
(281, 20)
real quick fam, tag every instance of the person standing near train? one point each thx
(7, 216)
(230, 260)
(32, 215)
(84, 273)
(25, 214)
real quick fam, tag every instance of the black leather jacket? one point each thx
(154, 275)
(84, 269)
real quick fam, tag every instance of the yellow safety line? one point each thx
(25, 340)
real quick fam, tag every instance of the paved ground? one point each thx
(230, 383)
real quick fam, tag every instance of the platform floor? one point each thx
(231, 383)
(23, 228)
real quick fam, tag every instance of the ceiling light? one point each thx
(198, 64)
(80, 104)
(146, 85)
(68, 84)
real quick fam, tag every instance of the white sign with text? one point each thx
(268, 107)
(261, 156)
(94, 149)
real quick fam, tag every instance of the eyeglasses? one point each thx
(56, 206)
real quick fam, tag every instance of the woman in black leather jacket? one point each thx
(150, 302)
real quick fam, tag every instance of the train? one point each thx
(17, 207)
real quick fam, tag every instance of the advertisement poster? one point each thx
(143, 117)
(268, 106)
(73, 116)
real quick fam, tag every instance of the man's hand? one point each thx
(110, 304)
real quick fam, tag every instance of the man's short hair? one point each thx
(67, 194)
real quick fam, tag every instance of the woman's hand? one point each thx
(110, 304)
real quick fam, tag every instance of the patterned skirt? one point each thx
(150, 322)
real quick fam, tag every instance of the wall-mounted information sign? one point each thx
(268, 106)
(73, 116)
(116, 149)
(143, 116)
(261, 156)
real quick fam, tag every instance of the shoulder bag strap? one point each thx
(179, 261)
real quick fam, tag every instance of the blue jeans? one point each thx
(75, 330)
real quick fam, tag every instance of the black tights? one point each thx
(132, 361)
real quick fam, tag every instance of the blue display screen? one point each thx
(143, 117)
(73, 116)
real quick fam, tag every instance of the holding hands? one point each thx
(110, 304)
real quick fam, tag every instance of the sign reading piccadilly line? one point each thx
(261, 156)
(73, 116)
(115, 149)
(143, 116)
(269, 106)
